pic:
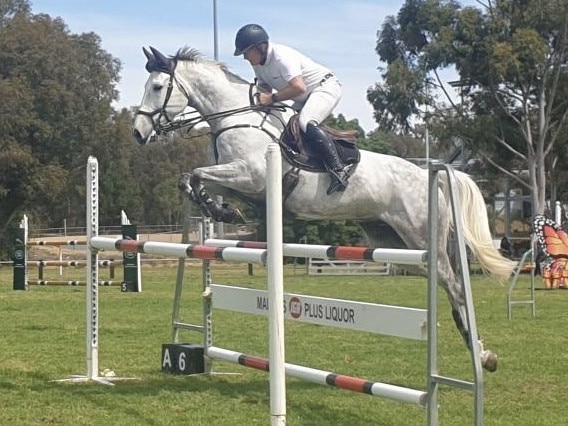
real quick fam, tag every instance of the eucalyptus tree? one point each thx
(508, 103)
(56, 90)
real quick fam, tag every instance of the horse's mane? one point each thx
(190, 54)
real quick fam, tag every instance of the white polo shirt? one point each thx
(283, 64)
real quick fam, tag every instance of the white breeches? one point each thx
(320, 103)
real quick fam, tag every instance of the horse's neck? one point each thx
(211, 91)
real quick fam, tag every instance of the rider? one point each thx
(314, 89)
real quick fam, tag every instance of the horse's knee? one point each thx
(194, 179)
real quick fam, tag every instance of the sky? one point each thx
(338, 34)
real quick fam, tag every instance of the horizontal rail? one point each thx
(57, 243)
(321, 377)
(190, 327)
(449, 381)
(400, 256)
(69, 283)
(75, 263)
(229, 254)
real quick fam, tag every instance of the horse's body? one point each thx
(383, 190)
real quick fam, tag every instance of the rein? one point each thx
(189, 123)
(172, 124)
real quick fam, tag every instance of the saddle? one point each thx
(298, 150)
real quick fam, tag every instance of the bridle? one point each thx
(161, 112)
(165, 123)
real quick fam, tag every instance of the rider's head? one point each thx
(251, 35)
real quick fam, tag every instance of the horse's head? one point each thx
(163, 99)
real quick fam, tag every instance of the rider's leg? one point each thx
(317, 108)
(335, 166)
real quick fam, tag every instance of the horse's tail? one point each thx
(476, 230)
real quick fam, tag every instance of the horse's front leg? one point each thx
(219, 212)
(237, 175)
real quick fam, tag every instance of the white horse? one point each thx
(387, 195)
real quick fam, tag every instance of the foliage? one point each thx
(57, 90)
(511, 60)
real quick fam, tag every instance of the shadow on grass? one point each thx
(304, 398)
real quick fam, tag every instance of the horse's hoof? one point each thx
(489, 361)
(183, 182)
(239, 218)
(230, 214)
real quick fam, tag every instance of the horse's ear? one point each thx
(151, 64)
(162, 62)
(147, 53)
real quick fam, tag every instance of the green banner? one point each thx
(130, 261)
(20, 259)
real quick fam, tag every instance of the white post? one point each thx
(558, 213)
(92, 290)
(92, 284)
(60, 260)
(275, 271)
(24, 226)
(220, 225)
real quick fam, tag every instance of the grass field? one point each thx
(43, 339)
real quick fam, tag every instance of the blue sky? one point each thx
(338, 34)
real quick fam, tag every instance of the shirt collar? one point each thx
(269, 54)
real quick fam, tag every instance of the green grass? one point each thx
(43, 339)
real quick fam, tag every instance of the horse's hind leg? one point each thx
(191, 184)
(455, 292)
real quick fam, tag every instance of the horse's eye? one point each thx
(157, 87)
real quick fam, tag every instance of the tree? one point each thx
(511, 58)
(9, 8)
(57, 89)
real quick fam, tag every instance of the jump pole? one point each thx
(275, 271)
(400, 256)
(271, 256)
(92, 284)
(429, 398)
(132, 272)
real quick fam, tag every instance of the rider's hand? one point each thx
(265, 98)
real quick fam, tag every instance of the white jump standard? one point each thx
(389, 320)
(92, 290)
(340, 311)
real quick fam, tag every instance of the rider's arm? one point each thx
(263, 87)
(295, 87)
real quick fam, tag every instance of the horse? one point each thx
(386, 195)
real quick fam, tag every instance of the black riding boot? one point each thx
(335, 167)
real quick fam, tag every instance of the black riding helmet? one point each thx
(248, 36)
